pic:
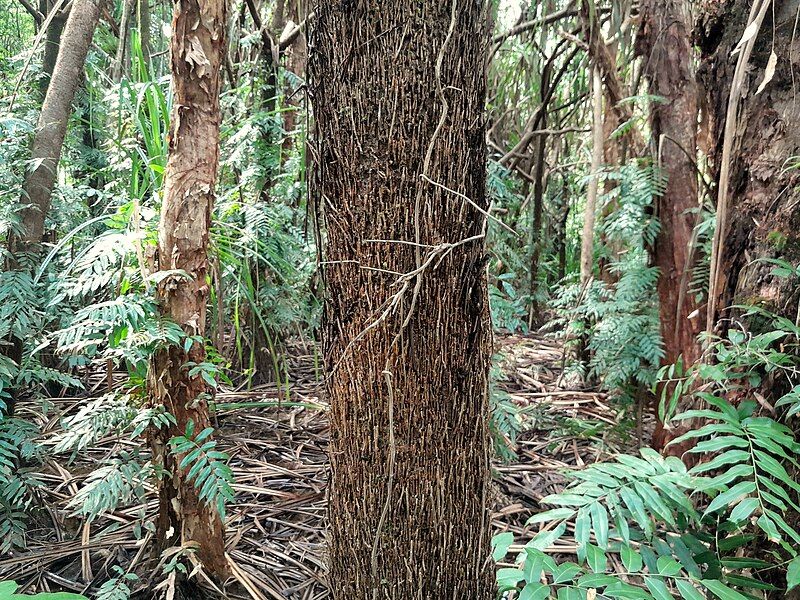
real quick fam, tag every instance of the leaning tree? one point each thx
(398, 92)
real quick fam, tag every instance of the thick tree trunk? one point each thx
(53, 120)
(762, 208)
(197, 50)
(666, 48)
(664, 43)
(398, 92)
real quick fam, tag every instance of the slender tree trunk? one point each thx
(53, 120)
(398, 93)
(561, 227)
(587, 241)
(759, 212)
(122, 55)
(143, 23)
(52, 42)
(197, 50)
(539, 188)
(664, 44)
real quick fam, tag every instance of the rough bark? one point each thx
(664, 43)
(666, 48)
(53, 120)
(143, 23)
(398, 92)
(762, 219)
(197, 51)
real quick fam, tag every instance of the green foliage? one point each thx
(207, 467)
(8, 592)
(509, 266)
(19, 454)
(120, 482)
(718, 529)
(618, 320)
(507, 419)
(118, 587)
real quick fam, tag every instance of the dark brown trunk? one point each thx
(53, 120)
(197, 50)
(398, 92)
(52, 42)
(762, 211)
(668, 58)
(665, 45)
(143, 23)
(538, 196)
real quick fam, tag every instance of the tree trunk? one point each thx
(122, 56)
(666, 48)
(759, 214)
(561, 228)
(53, 120)
(398, 92)
(197, 50)
(663, 41)
(536, 222)
(52, 42)
(539, 188)
(143, 23)
(587, 240)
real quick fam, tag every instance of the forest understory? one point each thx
(278, 439)
(470, 299)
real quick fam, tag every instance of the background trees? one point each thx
(163, 328)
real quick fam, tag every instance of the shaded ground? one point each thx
(278, 442)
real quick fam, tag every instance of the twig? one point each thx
(389, 485)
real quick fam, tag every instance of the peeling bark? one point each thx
(197, 50)
(763, 214)
(398, 92)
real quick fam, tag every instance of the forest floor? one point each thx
(277, 441)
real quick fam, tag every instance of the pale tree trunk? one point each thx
(664, 43)
(197, 51)
(398, 93)
(587, 240)
(760, 198)
(53, 121)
